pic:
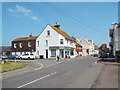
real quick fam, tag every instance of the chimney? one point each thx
(30, 35)
(57, 25)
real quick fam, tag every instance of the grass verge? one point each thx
(11, 65)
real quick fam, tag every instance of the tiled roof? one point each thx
(4, 49)
(112, 29)
(26, 38)
(62, 33)
(77, 44)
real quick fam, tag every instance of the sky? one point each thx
(78, 19)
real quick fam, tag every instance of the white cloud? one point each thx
(15, 15)
(34, 18)
(10, 10)
(23, 11)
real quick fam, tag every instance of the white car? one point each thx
(27, 56)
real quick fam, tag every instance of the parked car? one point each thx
(13, 57)
(27, 56)
(95, 55)
(3, 57)
(103, 55)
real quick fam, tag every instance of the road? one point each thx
(81, 73)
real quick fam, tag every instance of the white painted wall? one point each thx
(53, 40)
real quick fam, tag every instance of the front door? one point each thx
(46, 53)
(62, 53)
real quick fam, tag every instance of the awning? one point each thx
(78, 50)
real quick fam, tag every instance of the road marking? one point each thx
(37, 80)
(37, 68)
(96, 62)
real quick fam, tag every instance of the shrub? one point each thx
(118, 56)
(118, 53)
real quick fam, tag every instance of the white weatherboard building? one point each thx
(87, 46)
(52, 42)
(115, 38)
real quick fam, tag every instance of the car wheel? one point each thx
(28, 58)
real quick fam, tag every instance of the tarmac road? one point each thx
(80, 73)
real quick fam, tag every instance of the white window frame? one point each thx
(29, 44)
(62, 41)
(15, 45)
(20, 45)
(46, 42)
(37, 43)
(53, 54)
(49, 33)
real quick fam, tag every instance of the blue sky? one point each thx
(78, 19)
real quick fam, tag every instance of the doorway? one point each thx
(46, 53)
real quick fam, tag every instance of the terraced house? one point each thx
(24, 45)
(52, 41)
(114, 34)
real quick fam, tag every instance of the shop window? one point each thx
(53, 53)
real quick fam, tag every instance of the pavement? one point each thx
(109, 77)
(110, 74)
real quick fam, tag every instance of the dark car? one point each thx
(13, 57)
(103, 55)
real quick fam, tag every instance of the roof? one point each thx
(62, 33)
(26, 38)
(104, 44)
(77, 44)
(4, 48)
(112, 29)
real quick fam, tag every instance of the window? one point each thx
(67, 41)
(46, 42)
(29, 44)
(48, 33)
(14, 45)
(38, 52)
(38, 43)
(20, 45)
(53, 53)
(61, 41)
(20, 53)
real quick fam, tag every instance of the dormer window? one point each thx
(20, 45)
(29, 44)
(48, 33)
(14, 45)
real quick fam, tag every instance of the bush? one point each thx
(118, 56)
(118, 53)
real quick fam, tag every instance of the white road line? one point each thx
(37, 80)
(38, 68)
